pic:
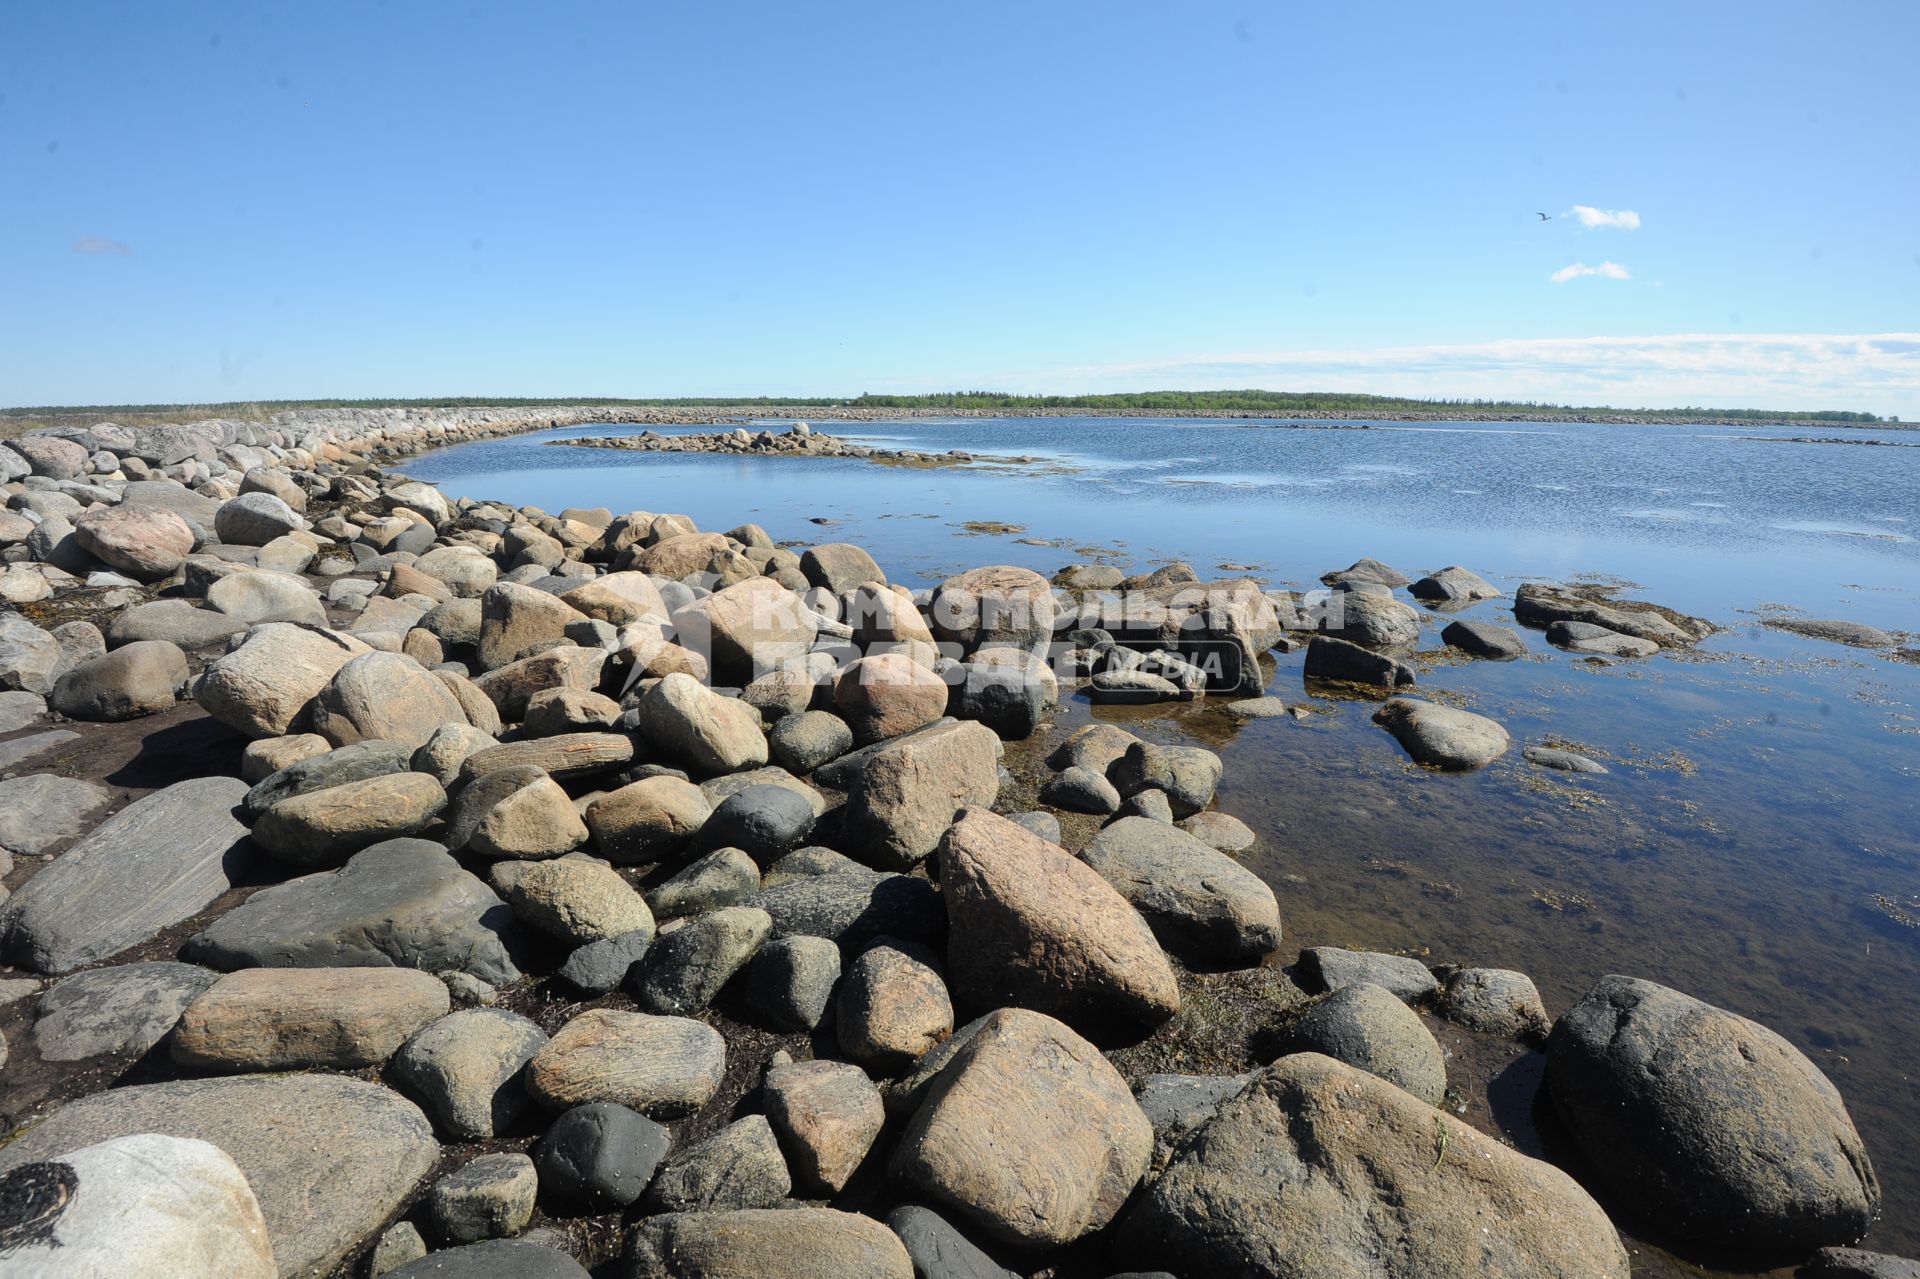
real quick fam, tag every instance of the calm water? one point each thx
(1754, 843)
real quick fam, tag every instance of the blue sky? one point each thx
(206, 201)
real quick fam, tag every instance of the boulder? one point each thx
(1330, 968)
(384, 697)
(1453, 585)
(619, 599)
(299, 1018)
(840, 567)
(660, 1066)
(765, 822)
(1081, 790)
(1095, 747)
(1368, 1028)
(144, 1204)
(1443, 736)
(827, 1115)
(1316, 1168)
(651, 820)
(803, 1243)
(531, 818)
(404, 903)
(325, 827)
(887, 695)
(711, 733)
(358, 762)
(1343, 662)
(29, 657)
(266, 597)
(938, 1249)
(1177, 1105)
(160, 860)
(517, 620)
(254, 519)
(39, 811)
(1586, 637)
(686, 968)
(1221, 831)
(1008, 690)
(328, 1158)
(805, 740)
(1542, 604)
(178, 622)
(1854, 1263)
(1488, 640)
(1369, 570)
(724, 877)
(892, 1007)
(599, 1156)
(1028, 1132)
(1187, 774)
(998, 604)
(50, 455)
(738, 1167)
(1563, 761)
(902, 802)
(1708, 1125)
(791, 980)
(1494, 1001)
(144, 542)
(466, 1070)
(747, 629)
(122, 1010)
(569, 755)
(1852, 634)
(139, 679)
(816, 892)
(1032, 926)
(1200, 903)
(1372, 621)
(488, 1197)
(574, 900)
(263, 687)
(553, 711)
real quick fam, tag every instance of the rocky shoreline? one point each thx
(798, 440)
(519, 892)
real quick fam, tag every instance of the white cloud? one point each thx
(1871, 373)
(1606, 270)
(1620, 219)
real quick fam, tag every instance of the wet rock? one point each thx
(1854, 634)
(1330, 968)
(144, 1204)
(466, 1070)
(489, 1197)
(1564, 761)
(1453, 585)
(804, 741)
(827, 1115)
(599, 1156)
(39, 811)
(144, 542)
(404, 902)
(765, 822)
(1221, 831)
(765, 1241)
(1033, 926)
(1494, 1001)
(1028, 1132)
(1541, 604)
(1341, 661)
(262, 687)
(1368, 1028)
(907, 795)
(575, 901)
(690, 722)
(817, 892)
(791, 980)
(686, 968)
(292, 1018)
(1199, 902)
(1372, 621)
(1257, 708)
(325, 827)
(1585, 637)
(1706, 1124)
(328, 1158)
(1187, 774)
(160, 860)
(1443, 736)
(123, 1010)
(1080, 790)
(892, 1005)
(661, 1066)
(1318, 1168)
(1487, 640)
(738, 1167)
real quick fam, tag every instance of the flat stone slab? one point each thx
(18, 709)
(158, 861)
(124, 1009)
(21, 749)
(405, 903)
(329, 1158)
(38, 812)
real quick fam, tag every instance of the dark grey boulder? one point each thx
(1368, 1027)
(1706, 1124)
(765, 822)
(686, 968)
(1330, 968)
(404, 903)
(156, 862)
(1342, 662)
(493, 1259)
(820, 893)
(599, 1156)
(1488, 640)
(939, 1249)
(791, 981)
(1040, 822)
(1853, 1263)
(121, 1010)
(723, 877)
(353, 763)
(599, 967)
(738, 1167)
(805, 741)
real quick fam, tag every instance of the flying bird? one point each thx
(1544, 217)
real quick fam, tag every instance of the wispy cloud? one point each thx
(1619, 219)
(1873, 373)
(100, 246)
(1606, 270)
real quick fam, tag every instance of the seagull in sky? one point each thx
(1544, 217)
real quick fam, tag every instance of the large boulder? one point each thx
(263, 687)
(122, 1009)
(135, 680)
(651, 820)
(692, 723)
(266, 597)
(1030, 925)
(999, 604)
(144, 1204)
(738, 1167)
(816, 892)
(1368, 1027)
(405, 903)
(902, 802)
(1316, 1168)
(329, 1158)
(296, 1018)
(144, 542)
(1007, 689)
(1445, 737)
(466, 1069)
(746, 629)
(661, 1066)
(325, 827)
(887, 695)
(254, 519)
(1706, 1124)
(156, 862)
(1372, 621)
(827, 1115)
(1200, 903)
(840, 567)
(385, 697)
(1027, 1131)
(799, 1243)
(516, 621)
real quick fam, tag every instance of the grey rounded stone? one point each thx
(792, 980)
(765, 822)
(804, 741)
(488, 1197)
(939, 1249)
(1369, 1028)
(724, 877)
(466, 1069)
(599, 1156)
(1329, 968)
(738, 1167)
(687, 967)
(1081, 790)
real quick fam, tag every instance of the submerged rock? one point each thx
(1443, 736)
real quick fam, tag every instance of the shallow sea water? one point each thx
(1754, 843)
